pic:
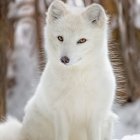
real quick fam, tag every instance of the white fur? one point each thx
(10, 130)
(73, 101)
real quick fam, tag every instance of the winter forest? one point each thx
(22, 56)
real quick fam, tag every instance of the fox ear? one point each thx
(95, 14)
(56, 10)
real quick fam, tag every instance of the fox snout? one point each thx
(65, 59)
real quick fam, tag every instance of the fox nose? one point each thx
(65, 59)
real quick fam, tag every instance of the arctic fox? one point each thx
(75, 94)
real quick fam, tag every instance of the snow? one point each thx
(133, 137)
(130, 137)
(129, 119)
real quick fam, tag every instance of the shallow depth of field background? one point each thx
(22, 56)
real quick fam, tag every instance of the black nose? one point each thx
(65, 59)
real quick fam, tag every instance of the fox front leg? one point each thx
(94, 130)
(61, 126)
(108, 125)
(107, 130)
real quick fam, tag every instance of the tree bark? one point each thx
(130, 44)
(4, 42)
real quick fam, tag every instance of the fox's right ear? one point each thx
(56, 10)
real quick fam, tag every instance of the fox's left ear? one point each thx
(56, 10)
(95, 14)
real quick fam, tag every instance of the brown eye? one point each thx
(60, 38)
(94, 21)
(82, 40)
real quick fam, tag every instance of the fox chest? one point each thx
(74, 88)
(77, 98)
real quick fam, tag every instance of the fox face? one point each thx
(74, 36)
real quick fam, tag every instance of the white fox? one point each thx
(75, 94)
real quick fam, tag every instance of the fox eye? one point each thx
(60, 38)
(82, 40)
(94, 21)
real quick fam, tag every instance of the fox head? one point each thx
(73, 35)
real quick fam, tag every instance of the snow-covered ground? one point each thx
(129, 120)
(131, 137)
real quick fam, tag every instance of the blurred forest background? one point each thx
(22, 56)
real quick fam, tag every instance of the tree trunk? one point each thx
(3, 61)
(130, 44)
